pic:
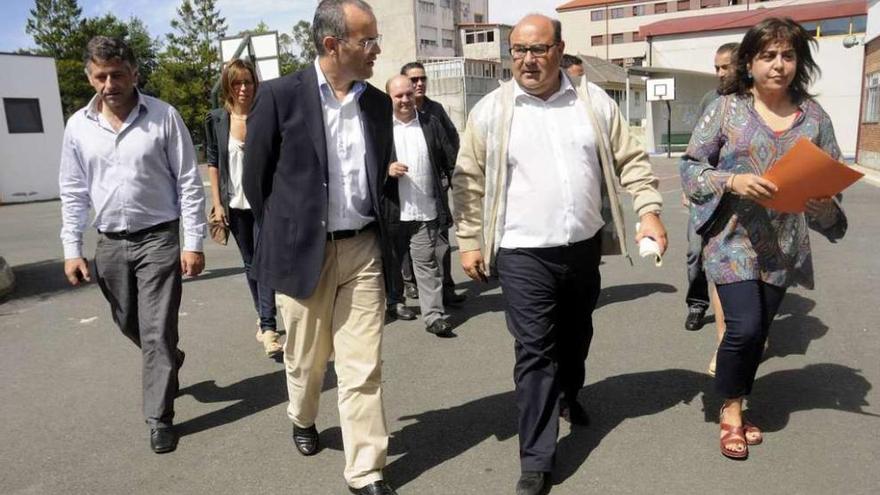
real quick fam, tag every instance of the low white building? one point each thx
(31, 128)
(459, 83)
(689, 44)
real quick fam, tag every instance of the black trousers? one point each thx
(698, 287)
(139, 275)
(550, 295)
(749, 309)
(245, 231)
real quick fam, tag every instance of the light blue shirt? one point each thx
(140, 176)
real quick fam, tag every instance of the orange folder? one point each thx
(806, 172)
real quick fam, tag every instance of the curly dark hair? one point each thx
(766, 32)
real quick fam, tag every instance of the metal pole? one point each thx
(668, 130)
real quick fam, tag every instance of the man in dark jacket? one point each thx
(415, 71)
(417, 185)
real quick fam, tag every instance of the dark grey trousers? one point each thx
(140, 277)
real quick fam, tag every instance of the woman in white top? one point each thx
(225, 134)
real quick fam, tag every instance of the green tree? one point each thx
(190, 64)
(52, 23)
(60, 32)
(302, 38)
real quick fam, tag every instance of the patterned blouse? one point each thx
(742, 240)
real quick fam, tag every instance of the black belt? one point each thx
(125, 234)
(338, 235)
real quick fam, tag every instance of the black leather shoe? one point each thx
(401, 312)
(452, 299)
(306, 440)
(163, 440)
(531, 483)
(574, 413)
(411, 291)
(694, 320)
(377, 488)
(440, 328)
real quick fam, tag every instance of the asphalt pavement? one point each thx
(70, 414)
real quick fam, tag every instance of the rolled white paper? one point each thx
(648, 247)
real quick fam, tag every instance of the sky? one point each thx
(280, 15)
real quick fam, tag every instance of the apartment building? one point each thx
(488, 42)
(421, 29)
(609, 29)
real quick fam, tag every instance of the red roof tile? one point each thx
(748, 18)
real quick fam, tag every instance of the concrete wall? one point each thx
(689, 89)
(396, 21)
(873, 29)
(29, 162)
(837, 90)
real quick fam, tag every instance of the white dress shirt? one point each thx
(236, 198)
(348, 189)
(140, 176)
(416, 188)
(554, 195)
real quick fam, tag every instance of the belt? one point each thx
(125, 234)
(338, 235)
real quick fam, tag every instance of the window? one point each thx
(469, 39)
(859, 24)
(447, 43)
(638, 62)
(872, 98)
(639, 10)
(478, 18)
(617, 38)
(597, 15)
(597, 40)
(427, 43)
(834, 27)
(637, 98)
(659, 8)
(617, 61)
(810, 27)
(637, 36)
(707, 4)
(490, 36)
(23, 115)
(683, 5)
(617, 13)
(446, 4)
(427, 7)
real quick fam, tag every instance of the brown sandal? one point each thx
(734, 436)
(750, 429)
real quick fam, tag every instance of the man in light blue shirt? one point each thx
(130, 157)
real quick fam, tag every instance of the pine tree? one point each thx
(52, 23)
(190, 64)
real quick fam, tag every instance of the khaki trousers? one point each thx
(345, 315)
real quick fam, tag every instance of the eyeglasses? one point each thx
(238, 84)
(416, 79)
(366, 44)
(520, 51)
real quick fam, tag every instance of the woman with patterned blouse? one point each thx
(750, 252)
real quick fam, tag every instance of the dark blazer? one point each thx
(431, 107)
(286, 183)
(442, 156)
(217, 148)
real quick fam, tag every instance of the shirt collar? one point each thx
(324, 87)
(92, 107)
(564, 87)
(411, 123)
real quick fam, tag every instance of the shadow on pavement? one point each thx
(630, 292)
(40, 279)
(442, 434)
(794, 328)
(775, 397)
(253, 394)
(216, 273)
